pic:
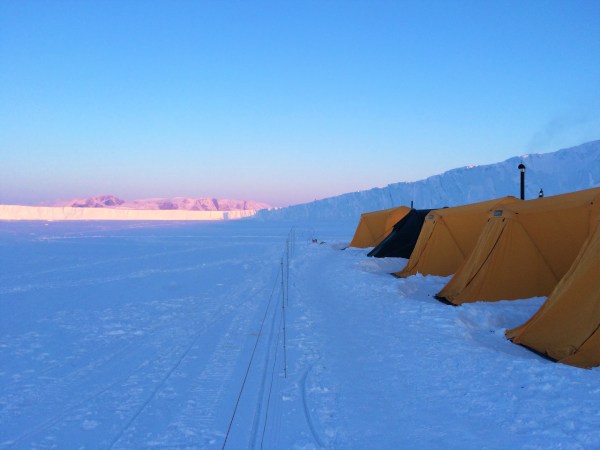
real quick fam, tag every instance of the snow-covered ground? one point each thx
(170, 335)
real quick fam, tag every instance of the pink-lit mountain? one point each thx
(177, 203)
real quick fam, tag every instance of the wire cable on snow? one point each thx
(283, 314)
(270, 388)
(285, 275)
(250, 363)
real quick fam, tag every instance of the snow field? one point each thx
(132, 338)
(406, 371)
(145, 335)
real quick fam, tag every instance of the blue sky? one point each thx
(287, 101)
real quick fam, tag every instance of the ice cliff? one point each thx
(562, 171)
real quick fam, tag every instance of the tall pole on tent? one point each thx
(522, 169)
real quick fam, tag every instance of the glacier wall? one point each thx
(48, 213)
(559, 172)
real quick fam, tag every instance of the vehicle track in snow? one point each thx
(257, 370)
(263, 395)
(51, 421)
(307, 410)
(219, 366)
(150, 361)
(50, 387)
(207, 395)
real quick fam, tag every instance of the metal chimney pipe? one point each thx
(522, 169)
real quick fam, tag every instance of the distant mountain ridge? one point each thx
(559, 172)
(177, 203)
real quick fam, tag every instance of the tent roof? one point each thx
(374, 226)
(474, 208)
(525, 248)
(448, 236)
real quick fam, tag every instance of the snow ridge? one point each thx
(565, 170)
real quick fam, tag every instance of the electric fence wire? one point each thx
(283, 301)
(250, 363)
(262, 439)
(289, 248)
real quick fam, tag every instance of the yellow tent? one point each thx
(374, 226)
(448, 236)
(567, 327)
(525, 248)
